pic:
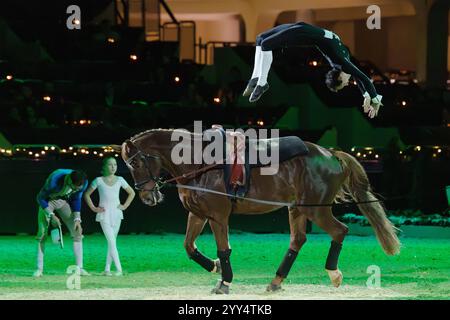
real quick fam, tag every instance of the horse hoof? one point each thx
(221, 288)
(335, 277)
(273, 287)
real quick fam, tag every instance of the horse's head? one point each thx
(145, 168)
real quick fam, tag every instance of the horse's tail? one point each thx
(357, 185)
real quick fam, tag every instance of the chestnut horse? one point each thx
(320, 177)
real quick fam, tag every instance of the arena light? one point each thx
(403, 103)
(260, 123)
(46, 148)
(43, 152)
(36, 155)
(417, 148)
(177, 79)
(9, 77)
(439, 150)
(52, 148)
(353, 149)
(111, 40)
(376, 156)
(133, 57)
(358, 154)
(76, 21)
(313, 63)
(63, 150)
(392, 81)
(47, 98)
(216, 100)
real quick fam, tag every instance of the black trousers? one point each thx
(284, 35)
(292, 34)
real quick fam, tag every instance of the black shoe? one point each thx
(250, 87)
(258, 92)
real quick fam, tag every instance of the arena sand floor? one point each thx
(156, 267)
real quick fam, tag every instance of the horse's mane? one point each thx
(143, 133)
(140, 134)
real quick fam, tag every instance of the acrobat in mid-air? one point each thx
(328, 43)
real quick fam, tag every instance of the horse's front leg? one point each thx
(297, 223)
(220, 231)
(195, 226)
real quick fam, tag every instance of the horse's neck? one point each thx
(176, 170)
(165, 151)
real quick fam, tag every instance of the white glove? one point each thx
(367, 100)
(375, 106)
(48, 213)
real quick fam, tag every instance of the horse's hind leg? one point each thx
(220, 231)
(324, 218)
(195, 226)
(297, 223)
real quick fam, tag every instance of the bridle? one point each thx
(145, 158)
(158, 182)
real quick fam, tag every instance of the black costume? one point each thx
(327, 42)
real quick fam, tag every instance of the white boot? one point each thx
(38, 273)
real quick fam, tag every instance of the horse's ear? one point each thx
(116, 148)
(130, 148)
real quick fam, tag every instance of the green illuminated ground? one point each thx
(157, 268)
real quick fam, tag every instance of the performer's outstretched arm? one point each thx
(372, 100)
(363, 81)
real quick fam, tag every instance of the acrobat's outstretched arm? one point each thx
(372, 100)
